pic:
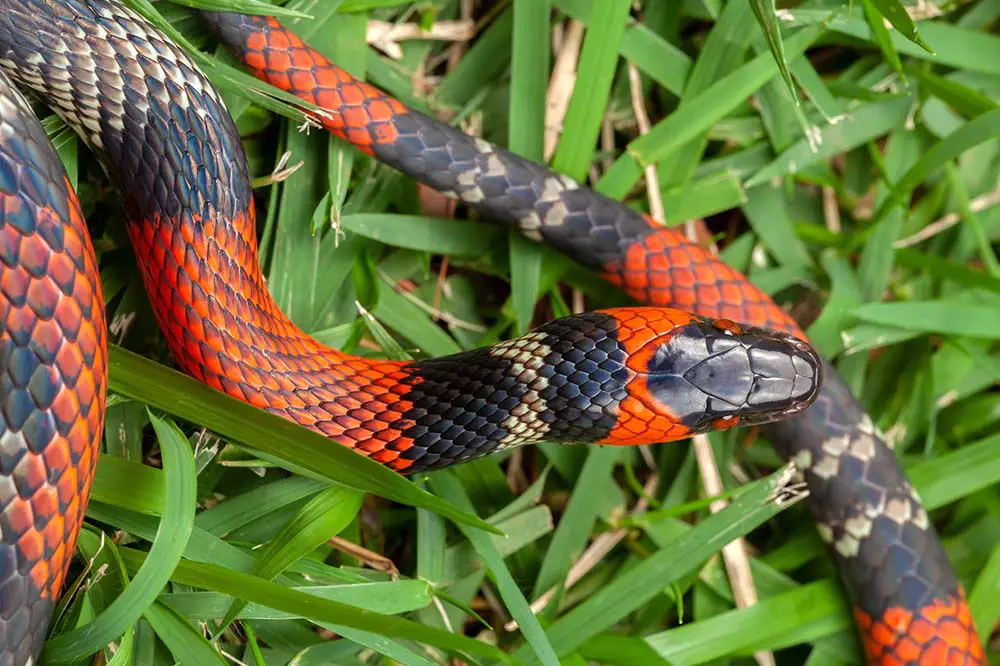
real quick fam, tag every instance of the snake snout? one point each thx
(718, 376)
(784, 376)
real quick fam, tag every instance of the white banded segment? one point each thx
(527, 356)
(82, 66)
(562, 382)
(137, 99)
(840, 457)
(873, 521)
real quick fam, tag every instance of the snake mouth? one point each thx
(712, 378)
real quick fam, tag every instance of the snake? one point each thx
(703, 350)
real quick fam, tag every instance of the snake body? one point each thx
(624, 376)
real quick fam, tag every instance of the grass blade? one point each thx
(945, 317)
(598, 62)
(685, 555)
(273, 595)
(697, 116)
(864, 124)
(897, 15)
(882, 38)
(578, 520)
(767, 18)
(168, 546)
(448, 486)
(185, 642)
(322, 518)
(972, 133)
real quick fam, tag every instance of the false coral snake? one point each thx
(621, 376)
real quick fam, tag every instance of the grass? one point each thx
(204, 508)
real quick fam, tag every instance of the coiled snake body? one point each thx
(623, 376)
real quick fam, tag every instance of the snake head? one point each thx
(715, 374)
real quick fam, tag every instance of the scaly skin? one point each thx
(54, 376)
(622, 376)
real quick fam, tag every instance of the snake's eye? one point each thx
(711, 377)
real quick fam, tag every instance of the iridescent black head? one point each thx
(712, 373)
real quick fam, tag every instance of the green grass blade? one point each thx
(984, 598)
(323, 517)
(897, 15)
(798, 616)
(578, 520)
(448, 486)
(529, 77)
(950, 477)
(947, 270)
(185, 642)
(653, 55)
(124, 655)
(882, 38)
(273, 595)
(647, 579)
(238, 511)
(414, 323)
(967, 101)
(864, 124)
(768, 212)
(725, 50)
(171, 538)
(402, 596)
(595, 74)
(526, 137)
(976, 131)
(944, 317)
(697, 116)
(952, 45)
(123, 483)
(481, 63)
(767, 18)
(437, 236)
(525, 276)
(244, 7)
